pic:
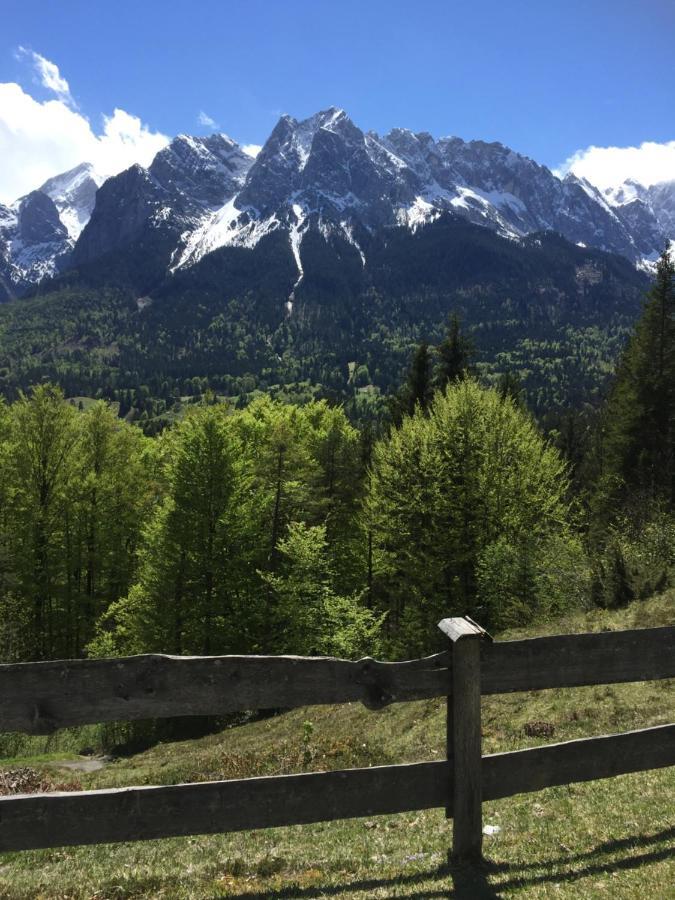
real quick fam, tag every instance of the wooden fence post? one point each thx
(464, 738)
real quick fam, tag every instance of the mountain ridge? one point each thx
(323, 174)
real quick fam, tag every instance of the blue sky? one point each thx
(546, 78)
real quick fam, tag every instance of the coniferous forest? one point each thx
(274, 527)
(555, 314)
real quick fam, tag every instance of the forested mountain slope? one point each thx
(540, 306)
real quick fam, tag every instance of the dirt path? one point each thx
(86, 764)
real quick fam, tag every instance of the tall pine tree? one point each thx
(638, 441)
(459, 499)
(194, 559)
(454, 353)
(417, 391)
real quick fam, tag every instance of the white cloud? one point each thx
(41, 139)
(252, 149)
(125, 141)
(206, 120)
(49, 75)
(608, 167)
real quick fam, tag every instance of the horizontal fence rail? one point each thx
(38, 698)
(139, 813)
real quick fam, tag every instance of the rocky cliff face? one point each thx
(163, 205)
(39, 231)
(325, 173)
(74, 195)
(34, 243)
(649, 212)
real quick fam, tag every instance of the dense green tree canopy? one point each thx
(637, 449)
(280, 528)
(77, 487)
(446, 490)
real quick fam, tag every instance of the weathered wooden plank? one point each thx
(40, 697)
(127, 814)
(586, 759)
(130, 814)
(572, 660)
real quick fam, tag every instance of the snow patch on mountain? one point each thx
(74, 195)
(420, 212)
(227, 227)
(8, 217)
(296, 232)
(33, 262)
(348, 232)
(34, 243)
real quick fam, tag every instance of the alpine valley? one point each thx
(315, 267)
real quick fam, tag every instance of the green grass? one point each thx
(611, 838)
(7, 762)
(65, 744)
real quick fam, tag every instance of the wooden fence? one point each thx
(38, 698)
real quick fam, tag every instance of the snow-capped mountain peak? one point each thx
(324, 173)
(321, 173)
(646, 208)
(625, 192)
(38, 231)
(34, 242)
(74, 195)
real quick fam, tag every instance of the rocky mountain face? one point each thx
(325, 173)
(74, 195)
(642, 206)
(151, 213)
(320, 176)
(143, 208)
(38, 231)
(661, 201)
(33, 243)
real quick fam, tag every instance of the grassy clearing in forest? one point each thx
(612, 838)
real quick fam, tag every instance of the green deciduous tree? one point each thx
(76, 487)
(471, 484)
(193, 563)
(285, 473)
(40, 471)
(112, 495)
(310, 616)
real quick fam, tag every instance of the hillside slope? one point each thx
(553, 312)
(608, 838)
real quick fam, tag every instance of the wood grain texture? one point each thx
(38, 698)
(586, 759)
(458, 628)
(572, 660)
(467, 826)
(128, 814)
